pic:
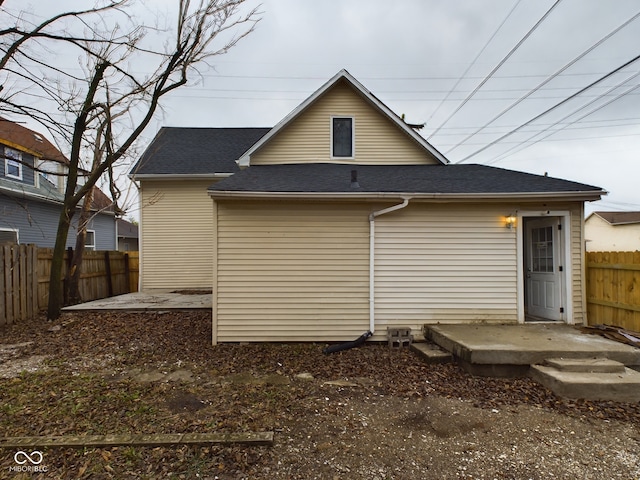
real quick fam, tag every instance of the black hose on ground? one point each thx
(347, 345)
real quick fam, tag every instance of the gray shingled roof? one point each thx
(444, 179)
(196, 151)
(620, 218)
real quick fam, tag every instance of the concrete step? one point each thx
(431, 353)
(621, 385)
(585, 365)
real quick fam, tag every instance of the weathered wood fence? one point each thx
(613, 289)
(25, 270)
(18, 282)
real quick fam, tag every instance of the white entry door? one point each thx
(544, 269)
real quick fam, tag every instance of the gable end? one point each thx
(380, 136)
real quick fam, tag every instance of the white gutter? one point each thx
(372, 242)
(442, 197)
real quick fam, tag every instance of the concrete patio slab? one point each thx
(523, 345)
(153, 300)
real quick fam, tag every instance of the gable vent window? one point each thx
(342, 137)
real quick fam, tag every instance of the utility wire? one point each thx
(469, 67)
(548, 79)
(633, 120)
(497, 67)
(630, 89)
(582, 90)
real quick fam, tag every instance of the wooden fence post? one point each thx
(15, 280)
(127, 273)
(65, 287)
(33, 268)
(8, 286)
(107, 266)
(3, 313)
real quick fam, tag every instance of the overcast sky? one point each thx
(423, 58)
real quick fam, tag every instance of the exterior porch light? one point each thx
(510, 220)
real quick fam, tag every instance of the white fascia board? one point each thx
(245, 158)
(560, 196)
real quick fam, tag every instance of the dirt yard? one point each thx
(365, 413)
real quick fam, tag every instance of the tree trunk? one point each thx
(73, 274)
(56, 289)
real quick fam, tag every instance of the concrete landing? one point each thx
(153, 300)
(524, 345)
(590, 379)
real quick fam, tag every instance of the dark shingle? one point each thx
(196, 151)
(620, 218)
(31, 140)
(336, 178)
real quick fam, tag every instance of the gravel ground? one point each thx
(365, 413)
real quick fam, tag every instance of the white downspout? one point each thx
(372, 241)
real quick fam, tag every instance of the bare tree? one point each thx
(99, 114)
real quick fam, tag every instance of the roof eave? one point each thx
(32, 195)
(436, 196)
(177, 176)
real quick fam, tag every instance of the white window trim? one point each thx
(16, 162)
(17, 232)
(86, 245)
(353, 137)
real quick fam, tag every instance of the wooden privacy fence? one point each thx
(25, 270)
(18, 282)
(613, 289)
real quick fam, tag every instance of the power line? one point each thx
(497, 67)
(520, 143)
(540, 115)
(551, 77)
(544, 127)
(630, 89)
(471, 65)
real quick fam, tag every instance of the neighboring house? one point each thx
(342, 219)
(32, 182)
(127, 235)
(612, 232)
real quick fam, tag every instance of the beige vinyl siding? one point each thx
(444, 263)
(577, 260)
(291, 272)
(176, 224)
(308, 138)
(299, 271)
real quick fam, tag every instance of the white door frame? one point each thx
(566, 290)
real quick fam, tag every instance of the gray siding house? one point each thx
(31, 186)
